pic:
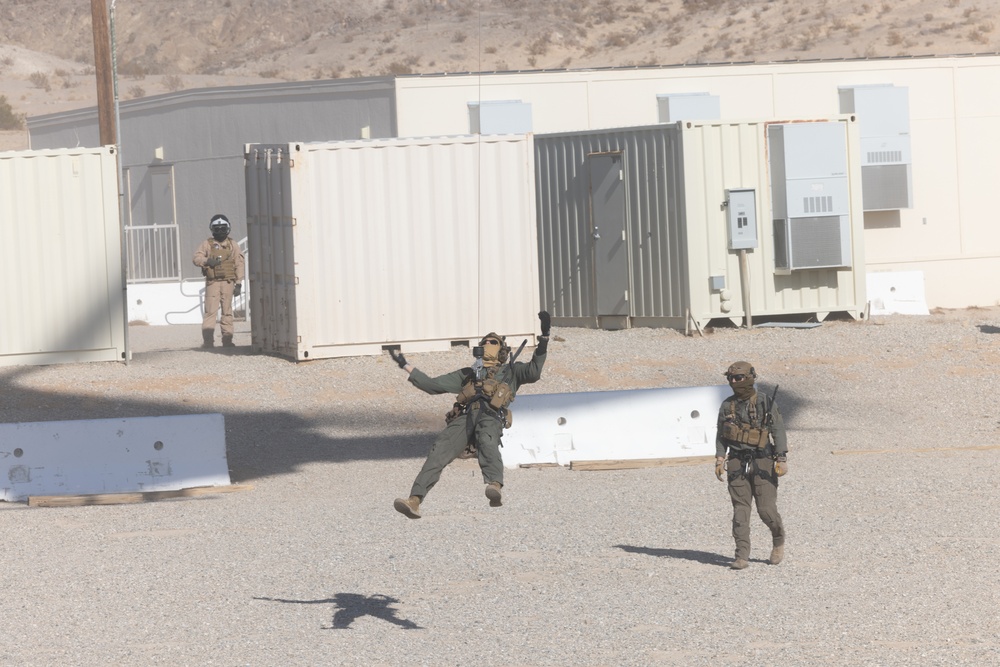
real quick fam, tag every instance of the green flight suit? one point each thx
(487, 428)
(750, 470)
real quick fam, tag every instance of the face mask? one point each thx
(491, 354)
(742, 385)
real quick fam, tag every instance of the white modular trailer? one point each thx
(60, 258)
(416, 243)
(634, 226)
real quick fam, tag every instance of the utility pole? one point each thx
(105, 80)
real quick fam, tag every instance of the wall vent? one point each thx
(818, 204)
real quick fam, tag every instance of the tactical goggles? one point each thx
(737, 377)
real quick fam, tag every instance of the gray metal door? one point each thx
(607, 209)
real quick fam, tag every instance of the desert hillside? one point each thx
(46, 47)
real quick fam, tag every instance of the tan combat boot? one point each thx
(493, 493)
(777, 554)
(740, 564)
(410, 507)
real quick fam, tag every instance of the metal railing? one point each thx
(153, 253)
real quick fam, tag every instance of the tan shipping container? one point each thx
(416, 243)
(61, 258)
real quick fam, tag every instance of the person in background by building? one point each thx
(223, 266)
(481, 411)
(751, 449)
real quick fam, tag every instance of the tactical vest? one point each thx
(753, 434)
(227, 269)
(491, 389)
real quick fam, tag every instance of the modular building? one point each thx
(929, 131)
(412, 243)
(682, 223)
(61, 258)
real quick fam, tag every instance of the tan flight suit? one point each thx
(219, 283)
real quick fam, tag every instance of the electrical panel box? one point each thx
(741, 208)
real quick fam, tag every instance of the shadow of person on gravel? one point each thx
(352, 606)
(686, 554)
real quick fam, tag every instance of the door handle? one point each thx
(597, 234)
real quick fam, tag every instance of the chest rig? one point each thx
(227, 269)
(752, 433)
(484, 393)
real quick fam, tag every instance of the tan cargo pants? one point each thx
(218, 293)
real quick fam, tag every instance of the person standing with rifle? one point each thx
(751, 449)
(481, 411)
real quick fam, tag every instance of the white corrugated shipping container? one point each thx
(60, 257)
(634, 223)
(417, 243)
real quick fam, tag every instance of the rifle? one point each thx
(513, 357)
(769, 415)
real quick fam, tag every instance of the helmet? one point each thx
(219, 226)
(501, 354)
(741, 377)
(740, 368)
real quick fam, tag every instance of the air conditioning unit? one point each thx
(883, 112)
(810, 195)
(812, 243)
(688, 106)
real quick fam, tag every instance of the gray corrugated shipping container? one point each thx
(412, 242)
(633, 228)
(60, 258)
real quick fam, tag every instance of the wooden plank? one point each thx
(629, 464)
(981, 448)
(539, 465)
(131, 498)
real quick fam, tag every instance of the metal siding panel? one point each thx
(271, 266)
(415, 243)
(60, 257)
(655, 235)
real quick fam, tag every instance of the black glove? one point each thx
(546, 320)
(213, 261)
(398, 357)
(237, 289)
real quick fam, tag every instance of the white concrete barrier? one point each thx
(605, 425)
(112, 455)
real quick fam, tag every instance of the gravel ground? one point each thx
(891, 556)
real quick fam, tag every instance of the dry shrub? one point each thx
(539, 47)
